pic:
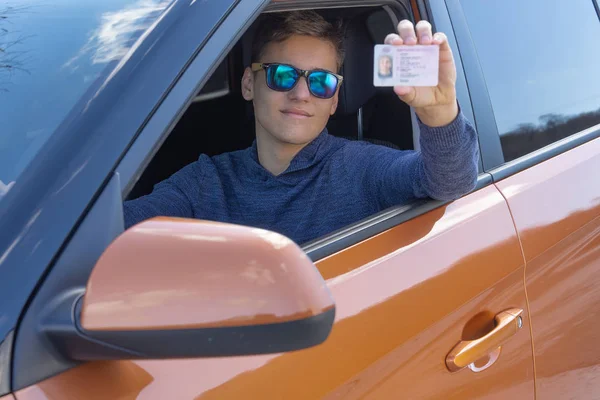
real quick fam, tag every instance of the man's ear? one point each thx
(334, 104)
(248, 84)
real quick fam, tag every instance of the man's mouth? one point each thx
(296, 113)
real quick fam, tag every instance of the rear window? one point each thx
(541, 62)
(50, 54)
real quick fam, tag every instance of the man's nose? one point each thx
(300, 91)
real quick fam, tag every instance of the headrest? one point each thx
(362, 33)
(357, 69)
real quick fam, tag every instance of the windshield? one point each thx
(50, 54)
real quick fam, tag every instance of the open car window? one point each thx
(219, 120)
(224, 122)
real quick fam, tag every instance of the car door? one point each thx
(549, 177)
(411, 284)
(405, 297)
(561, 242)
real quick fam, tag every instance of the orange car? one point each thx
(494, 295)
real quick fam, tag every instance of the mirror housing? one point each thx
(171, 288)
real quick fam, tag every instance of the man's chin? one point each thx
(298, 138)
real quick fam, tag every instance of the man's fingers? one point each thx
(394, 39)
(409, 34)
(442, 40)
(424, 34)
(406, 30)
(406, 93)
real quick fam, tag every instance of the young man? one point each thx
(297, 179)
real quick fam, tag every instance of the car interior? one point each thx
(219, 120)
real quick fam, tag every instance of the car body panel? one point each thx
(556, 208)
(96, 380)
(404, 298)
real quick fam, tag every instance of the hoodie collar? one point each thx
(310, 154)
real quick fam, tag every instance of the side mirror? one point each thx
(169, 288)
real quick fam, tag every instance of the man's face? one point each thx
(294, 117)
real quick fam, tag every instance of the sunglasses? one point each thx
(284, 77)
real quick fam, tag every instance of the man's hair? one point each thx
(280, 26)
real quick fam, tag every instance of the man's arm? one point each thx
(444, 169)
(169, 198)
(446, 166)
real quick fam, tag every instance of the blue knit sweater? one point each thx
(332, 182)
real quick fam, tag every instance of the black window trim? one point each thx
(485, 120)
(292, 5)
(436, 12)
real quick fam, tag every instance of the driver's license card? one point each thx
(406, 65)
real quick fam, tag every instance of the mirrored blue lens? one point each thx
(281, 77)
(322, 84)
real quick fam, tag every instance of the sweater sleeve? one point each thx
(169, 198)
(444, 169)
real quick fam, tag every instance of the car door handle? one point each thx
(466, 352)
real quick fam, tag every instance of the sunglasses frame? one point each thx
(301, 72)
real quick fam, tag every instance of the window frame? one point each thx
(200, 69)
(489, 137)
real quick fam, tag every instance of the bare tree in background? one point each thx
(12, 57)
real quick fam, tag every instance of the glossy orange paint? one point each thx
(556, 208)
(404, 299)
(101, 380)
(172, 273)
